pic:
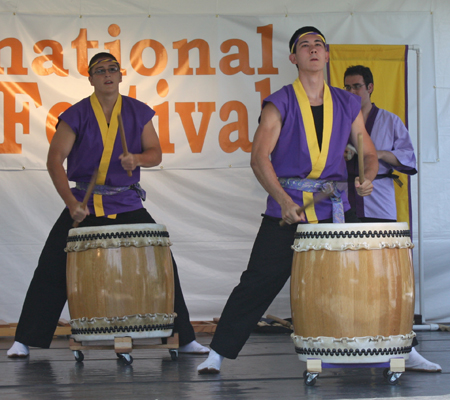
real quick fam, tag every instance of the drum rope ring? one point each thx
(352, 234)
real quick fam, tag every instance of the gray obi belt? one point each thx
(106, 190)
(315, 186)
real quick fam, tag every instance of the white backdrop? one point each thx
(206, 195)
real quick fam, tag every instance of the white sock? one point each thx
(193, 348)
(418, 363)
(18, 350)
(212, 364)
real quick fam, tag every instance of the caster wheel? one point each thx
(127, 358)
(310, 378)
(393, 379)
(79, 356)
(173, 355)
(119, 356)
(311, 382)
(387, 373)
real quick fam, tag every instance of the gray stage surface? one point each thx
(267, 368)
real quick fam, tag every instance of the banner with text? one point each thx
(205, 77)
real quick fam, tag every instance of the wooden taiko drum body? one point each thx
(120, 282)
(352, 292)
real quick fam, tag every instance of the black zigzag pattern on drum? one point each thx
(118, 329)
(117, 235)
(353, 352)
(352, 234)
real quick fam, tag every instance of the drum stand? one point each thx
(392, 369)
(123, 347)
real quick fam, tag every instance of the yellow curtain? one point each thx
(388, 66)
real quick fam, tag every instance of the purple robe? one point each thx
(387, 132)
(87, 151)
(291, 158)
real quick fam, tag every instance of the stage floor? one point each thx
(267, 368)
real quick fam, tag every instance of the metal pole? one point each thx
(419, 189)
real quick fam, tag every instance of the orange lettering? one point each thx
(241, 126)
(242, 56)
(160, 57)
(114, 47)
(56, 58)
(263, 87)
(267, 50)
(162, 112)
(11, 117)
(81, 44)
(52, 118)
(16, 56)
(196, 140)
(162, 88)
(184, 68)
(132, 91)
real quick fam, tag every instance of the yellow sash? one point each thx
(318, 157)
(109, 134)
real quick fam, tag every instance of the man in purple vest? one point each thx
(395, 151)
(87, 137)
(296, 154)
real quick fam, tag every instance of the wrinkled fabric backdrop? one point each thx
(204, 67)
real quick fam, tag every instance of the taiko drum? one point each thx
(352, 292)
(120, 282)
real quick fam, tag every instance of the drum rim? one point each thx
(116, 228)
(354, 226)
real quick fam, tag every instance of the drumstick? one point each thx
(283, 322)
(321, 196)
(122, 137)
(88, 193)
(361, 158)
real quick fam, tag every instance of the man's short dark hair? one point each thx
(101, 56)
(302, 31)
(365, 72)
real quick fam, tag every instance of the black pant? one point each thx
(366, 219)
(47, 293)
(268, 270)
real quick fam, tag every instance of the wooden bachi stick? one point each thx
(361, 158)
(88, 193)
(321, 196)
(124, 141)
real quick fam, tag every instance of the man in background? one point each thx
(394, 150)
